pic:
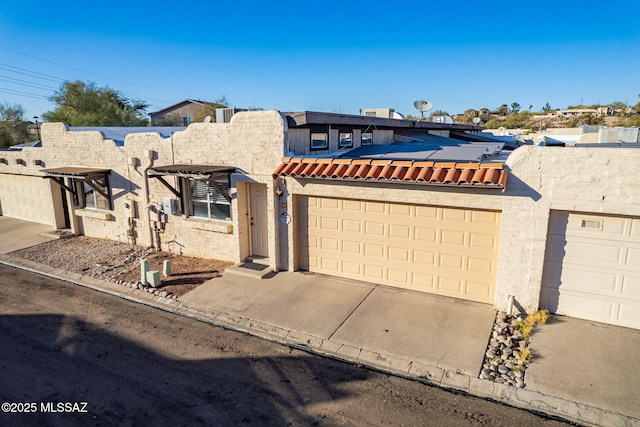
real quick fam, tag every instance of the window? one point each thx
(346, 139)
(186, 120)
(319, 141)
(367, 138)
(97, 194)
(206, 201)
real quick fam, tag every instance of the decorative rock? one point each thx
(501, 338)
(490, 353)
(503, 369)
(519, 383)
(163, 294)
(522, 344)
(501, 316)
(507, 351)
(494, 343)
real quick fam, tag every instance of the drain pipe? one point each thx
(147, 200)
(510, 305)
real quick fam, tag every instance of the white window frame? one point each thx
(212, 197)
(370, 138)
(94, 200)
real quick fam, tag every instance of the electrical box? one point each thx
(171, 206)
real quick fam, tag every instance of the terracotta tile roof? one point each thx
(477, 175)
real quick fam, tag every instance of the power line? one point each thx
(87, 72)
(25, 83)
(20, 93)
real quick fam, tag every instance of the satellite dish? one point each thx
(422, 106)
(396, 115)
(476, 120)
(207, 119)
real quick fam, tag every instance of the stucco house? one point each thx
(178, 114)
(417, 205)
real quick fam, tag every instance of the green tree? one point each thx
(618, 105)
(85, 104)
(438, 113)
(13, 126)
(547, 108)
(209, 109)
(515, 107)
(503, 109)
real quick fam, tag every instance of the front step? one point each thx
(251, 269)
(61, 233)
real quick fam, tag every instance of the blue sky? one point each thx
(325, 56)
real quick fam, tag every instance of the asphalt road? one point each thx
(73, 356)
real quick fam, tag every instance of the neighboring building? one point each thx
(179, 114)
(416, 205)
(385, 113)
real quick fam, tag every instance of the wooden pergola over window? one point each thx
(207, 173)
(89, 176)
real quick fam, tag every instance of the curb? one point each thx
(415, 370)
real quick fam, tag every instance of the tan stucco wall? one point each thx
(251, 142)
(541, 179)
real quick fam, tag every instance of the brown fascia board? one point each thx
(306, 118)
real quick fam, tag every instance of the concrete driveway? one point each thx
(16, 234)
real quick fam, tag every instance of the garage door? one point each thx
(445, 251)
(26, 197)
(592, 268)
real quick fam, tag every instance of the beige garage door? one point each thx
(445, 251)
(26, 197)
(592, 268)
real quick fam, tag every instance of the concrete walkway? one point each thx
(582, 371)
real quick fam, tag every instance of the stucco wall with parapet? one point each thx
(252, 142)
(541, 179)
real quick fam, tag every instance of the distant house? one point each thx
(180, 114)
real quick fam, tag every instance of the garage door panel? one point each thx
(450, 284)
(352, 205)
(447, 251)
(631, 287)
(373, 207)
(592, 268)
(592, 252)
(632, 260)
(480, 289)
(586, 307)
(575, 278)
(629, 314)
(351, 226)
(484, 241)
(375, 228)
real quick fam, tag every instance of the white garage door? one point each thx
(445, 251)
(26, 197)
(592, 268)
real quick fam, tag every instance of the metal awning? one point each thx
(192, 171)
(76, 173)
(203, 172)
(85, 175)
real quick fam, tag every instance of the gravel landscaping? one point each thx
(120, 263)
(506, 356)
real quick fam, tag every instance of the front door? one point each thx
(258, 217)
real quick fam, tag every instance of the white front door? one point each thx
(258, 220)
